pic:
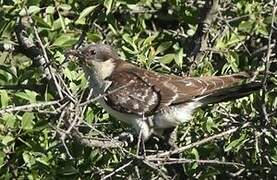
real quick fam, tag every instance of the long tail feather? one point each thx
(231, 93)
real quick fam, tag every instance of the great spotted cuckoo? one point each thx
(152, 102)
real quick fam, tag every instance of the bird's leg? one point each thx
(140, 145)
(171, 137)
(168, 139)
(142, 136)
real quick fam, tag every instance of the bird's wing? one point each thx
(176, 90)
(149, 92)
(129, 94)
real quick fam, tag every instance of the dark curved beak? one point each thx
(75, 53)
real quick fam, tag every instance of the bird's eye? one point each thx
(92, 52)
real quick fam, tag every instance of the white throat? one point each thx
(97, 73)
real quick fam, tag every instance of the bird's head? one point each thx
(94, 53)
(97, 60)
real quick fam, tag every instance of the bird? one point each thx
(149, 101)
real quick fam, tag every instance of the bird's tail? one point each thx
(232, 93)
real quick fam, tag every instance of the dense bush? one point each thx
(47, 133)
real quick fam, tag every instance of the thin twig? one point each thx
(105, 94)
(235, 33)
(195, 144)
(267, 66)
(28, 106)
(198, 161)
(156, 168)
(58, 87)
(117, 170)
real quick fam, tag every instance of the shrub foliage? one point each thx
(48, 132)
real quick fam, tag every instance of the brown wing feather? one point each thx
(133, 94)
(175, 90)
(161, 90)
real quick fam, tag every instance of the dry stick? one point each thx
(267, 66)
(110, 142)
(198, 161)
(44, 53)
(29, 106)
(200, 38)
(117, 170)
(156, 168)
(47, 60)
(260, 50)
(38, 56)
(65, 146)
(67, 90)
(72, 119)
(106, 94)
(181, 149)
(236, 34)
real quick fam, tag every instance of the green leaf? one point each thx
(65, 40)
(33, 10)
(262, 29)
(7, 139)
(112, 28)
(167, 59)
(190, 32)
(68, 170)
(179, 58)
(246, 26)
(163, 47)
(148, 41)
(43, 160)
(234, 40)
(30, 11)
(94, 37)
(195, 153)
(27, 122)
(95, 156)
(210, 124)
(5, 99)
(108, 4)
(126, 37)
(41, 22)
(89, 115)
(28, 158)
(9, 119)
(27, 95)
(84, 13)
(65, 7)
(2, 158)
(236, 144)
(50, 10)
(71, 75)
(129, 50)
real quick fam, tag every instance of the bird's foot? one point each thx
(126, 137)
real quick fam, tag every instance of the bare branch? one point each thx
(104, 144)
(166, 160)
(267, 66)
(117, 170)
(28, 107)
(195, 144)
(199, 40)
(30, 49)
(106, 94)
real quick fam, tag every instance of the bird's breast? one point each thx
(125, 117)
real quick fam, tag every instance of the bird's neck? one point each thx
(96, 74)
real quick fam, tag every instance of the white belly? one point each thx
(140, 124)
(175, 115)
(167, 118)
